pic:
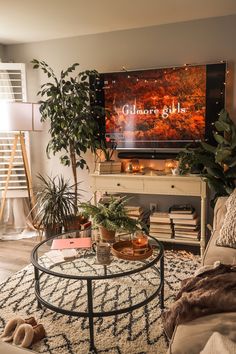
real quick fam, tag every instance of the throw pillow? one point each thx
(218, 344)
(227, 235)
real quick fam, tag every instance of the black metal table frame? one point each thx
(90, 313)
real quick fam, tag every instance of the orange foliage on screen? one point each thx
(157, 105)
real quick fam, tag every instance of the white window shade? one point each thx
(12, 89)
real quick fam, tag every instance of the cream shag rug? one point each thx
(139, 332)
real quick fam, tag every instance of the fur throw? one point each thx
(211, 292)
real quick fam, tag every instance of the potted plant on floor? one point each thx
(218, 163)
(54, 204)
(73, 127)
(110, 217)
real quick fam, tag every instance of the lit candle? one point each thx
(140, 242)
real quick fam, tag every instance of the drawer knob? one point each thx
(118, 184)
(172, 186)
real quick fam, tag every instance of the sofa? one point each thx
(7, 348)
(191, 337)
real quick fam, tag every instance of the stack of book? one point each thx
(160, 225)
(185, 222)
(135, 212)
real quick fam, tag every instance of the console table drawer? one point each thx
(128, 185)
(173, 187)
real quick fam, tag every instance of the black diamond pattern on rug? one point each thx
(139, 332)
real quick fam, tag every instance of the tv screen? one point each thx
(163, 108)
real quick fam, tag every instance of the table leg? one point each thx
(92, 347)
(36, 277)
(162, 306)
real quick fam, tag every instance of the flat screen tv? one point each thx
(161, 109)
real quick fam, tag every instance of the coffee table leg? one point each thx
(92, 347)
(36, 278)
(162, 282)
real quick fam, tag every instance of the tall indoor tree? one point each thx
(74, 122)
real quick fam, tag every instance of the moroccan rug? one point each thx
(139, 332)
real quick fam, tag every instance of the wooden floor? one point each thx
(14, 255)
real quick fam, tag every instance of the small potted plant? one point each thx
(108, 147)
(54, 204)
(110, 217)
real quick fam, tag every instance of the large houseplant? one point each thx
(54, 204)
(73, 126)
(110, 217)
(217, 162)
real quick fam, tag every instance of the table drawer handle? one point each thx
(118, 184)
(172, 186)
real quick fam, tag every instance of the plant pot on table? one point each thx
(74, 222)
(107, 235)
(107, 167)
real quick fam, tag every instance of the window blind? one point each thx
(12, 89)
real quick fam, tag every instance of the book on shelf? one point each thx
(183, 216)
(133, 209)
(134, 213)
(182, 209)
(178, 227)
(186, 222)
(161, 226)
(187, 234)
(161, 235)
(160, 217)
(164, 231)
(187, 238)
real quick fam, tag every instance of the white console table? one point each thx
(153, 184)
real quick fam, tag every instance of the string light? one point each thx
(137, 79)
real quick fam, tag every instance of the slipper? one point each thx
(26, 335)
(10, 329)
(12, 325)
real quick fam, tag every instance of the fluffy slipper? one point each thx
(10, 329)
(24, 335)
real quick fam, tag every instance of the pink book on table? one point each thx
(83, 242)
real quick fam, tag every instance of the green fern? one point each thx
(111, 215)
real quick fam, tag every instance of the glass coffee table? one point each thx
(84, 272)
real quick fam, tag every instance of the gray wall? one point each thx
(2, 52)
(198, 41)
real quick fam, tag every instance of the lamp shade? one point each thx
(19, 116)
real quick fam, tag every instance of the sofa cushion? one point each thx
(227, 234)
(216, 253)
(6, 348)
(218, 344)
(191, 337)
(213, 252)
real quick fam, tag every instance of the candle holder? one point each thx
(140, 243)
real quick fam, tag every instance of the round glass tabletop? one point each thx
(81, 263)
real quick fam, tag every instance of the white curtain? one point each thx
(15, 223)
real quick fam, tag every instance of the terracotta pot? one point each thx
(107, 235)
(52, 230)
(74, 222)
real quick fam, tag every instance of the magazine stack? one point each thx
(185, 222)
(160, 225)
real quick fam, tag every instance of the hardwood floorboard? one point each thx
(15, 255)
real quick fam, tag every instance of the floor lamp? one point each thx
(19, 117)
